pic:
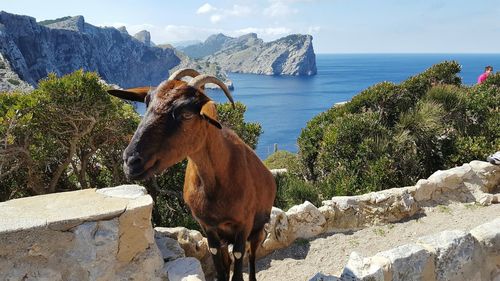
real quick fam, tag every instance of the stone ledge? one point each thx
(80, 235)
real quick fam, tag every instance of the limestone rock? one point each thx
(184, 269)
(290, 55)
(410, 263)
(96, 237)
(145, 37)
(193, 243)
(456, 255)
(305, 221)
(322, 277)
(35, 50)
(9, 80)
(488, 235)
(277, 230)
(365, 269)
(353, 212)
(169, 248)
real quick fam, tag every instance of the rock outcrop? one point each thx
(290, 55)
(68, 44)
(9, 80)
(212, 45)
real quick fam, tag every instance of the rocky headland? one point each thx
(290, 55)
(31, 50)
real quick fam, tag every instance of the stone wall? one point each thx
(473, 182)
(91, 234)
(106, 234)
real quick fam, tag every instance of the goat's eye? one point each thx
(187, 115)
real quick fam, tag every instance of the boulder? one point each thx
(305, 221)
(457, 255)
(184, 269)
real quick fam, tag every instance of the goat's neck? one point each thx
(212, 160)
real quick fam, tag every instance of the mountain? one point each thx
(290, 55)
(185, 43)
(33, 50)
(213, 44)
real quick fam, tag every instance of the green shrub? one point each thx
(283, 159)
(293, 191)
(14, 82)
(67, 134)
(391, 135)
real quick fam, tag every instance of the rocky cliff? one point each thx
(67, 44)
(291, 55)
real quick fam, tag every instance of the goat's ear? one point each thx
(209, 113)
(133, 94)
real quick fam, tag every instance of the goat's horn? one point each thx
(201, 80)
(179, 74)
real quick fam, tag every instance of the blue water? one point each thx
(283, 105)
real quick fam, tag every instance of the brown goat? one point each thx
(228, 189)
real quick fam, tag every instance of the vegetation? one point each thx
(47, 22)
(14, 82)
(69, 134)
(391, 135)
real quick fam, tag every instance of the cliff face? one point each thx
(68, 44)
(291, 55)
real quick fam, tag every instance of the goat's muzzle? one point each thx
(135, 168)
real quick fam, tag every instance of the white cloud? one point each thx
(313, 29)
(219, 14)
(205, 9)
(279, 9)
(238, 10)
(215, 18)
(175, 33)
(267, 33)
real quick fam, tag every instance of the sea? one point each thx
(284, 104)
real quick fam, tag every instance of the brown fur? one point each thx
(228, 189)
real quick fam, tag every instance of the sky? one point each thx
(337, 26)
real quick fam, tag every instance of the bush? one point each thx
(391, 135)
(283, 159)
(14, 82)
(293, 191)
(62, 136)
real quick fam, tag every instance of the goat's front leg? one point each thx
(214, 244)
(239, 253)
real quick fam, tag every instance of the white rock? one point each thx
(169, 248)
(184, 269)
(365, 269)
(86, 235)
(305, 220)
(456, 255)
(277, 232)
(410, 262)
(488, 235)
(321, 277)
(128, 191)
